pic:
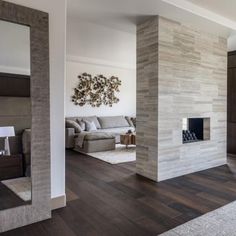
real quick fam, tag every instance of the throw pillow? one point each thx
(90, 126)
(133, 119)
(94, 119)
(82, 124)
(73, 124)
(129, 119)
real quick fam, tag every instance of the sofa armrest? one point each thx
(26, 143)
(70, 137)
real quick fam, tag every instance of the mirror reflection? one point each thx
(15, 116)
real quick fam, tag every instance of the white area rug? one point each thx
(20, 186)
(120, 155)
(221, 222)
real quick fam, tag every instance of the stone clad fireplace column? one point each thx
(181, 74)
(147, 98)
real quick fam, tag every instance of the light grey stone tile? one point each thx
(181, 73)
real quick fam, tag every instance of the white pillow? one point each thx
(90, 125)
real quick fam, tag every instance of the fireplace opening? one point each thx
(196, 129)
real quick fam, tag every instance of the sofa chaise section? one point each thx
(95, 142)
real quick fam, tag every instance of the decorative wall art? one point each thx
(96, 90)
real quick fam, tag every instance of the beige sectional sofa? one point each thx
(103, 137)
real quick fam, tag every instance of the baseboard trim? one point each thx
(58, 202)
(231, 155)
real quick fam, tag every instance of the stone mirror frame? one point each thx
(40, 209)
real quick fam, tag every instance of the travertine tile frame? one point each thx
(40, 106)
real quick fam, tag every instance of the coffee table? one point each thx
(128, 139)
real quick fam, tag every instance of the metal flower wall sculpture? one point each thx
(96, 91)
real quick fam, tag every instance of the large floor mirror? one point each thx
(15, 125)
(25, 191)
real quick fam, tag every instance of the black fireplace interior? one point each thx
(194, 130)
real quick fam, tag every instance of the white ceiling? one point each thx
(225, 8)
(212, 15)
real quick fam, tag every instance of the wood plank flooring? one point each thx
(111, 200)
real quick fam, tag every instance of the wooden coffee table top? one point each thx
(128, 139)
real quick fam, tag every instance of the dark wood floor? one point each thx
(9, 199)
(110, 200)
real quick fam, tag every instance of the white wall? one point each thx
(57, 24)
(14, 48)
(97, 49)
(127, 95)
(232, 43)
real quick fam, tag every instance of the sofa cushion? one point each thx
(98, 136)
(108, 122)
(73, 124)
(91, 118)
(90, 125)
